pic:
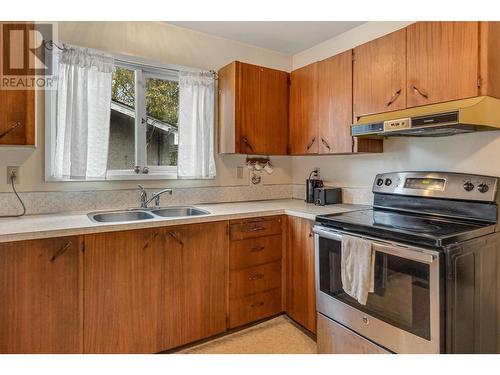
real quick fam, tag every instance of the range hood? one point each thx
(481, 113)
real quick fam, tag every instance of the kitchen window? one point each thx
(115, 119)
(144, 134)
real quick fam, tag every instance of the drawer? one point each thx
(255, 251)
(254, 279)
(255, 228)
(254, 307)
(334, 338)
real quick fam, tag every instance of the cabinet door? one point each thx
(304, 110)
(301, 294)
(203, 292)
(130, 283)
(17, 114)
(335, 104)
(248, 108)
(442, 61)
(379, 75)
(271, 133)
(40, 304)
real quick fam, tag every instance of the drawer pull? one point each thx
(256, 229)
(61, 251)
(257, 304)
(176, 238)
(255, 276)
(256, 249)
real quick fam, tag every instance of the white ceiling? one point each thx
(287, 37)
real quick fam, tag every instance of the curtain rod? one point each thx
(51, 45)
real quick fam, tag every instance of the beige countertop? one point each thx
(75, 223)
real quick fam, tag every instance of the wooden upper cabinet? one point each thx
(17, 107)
(442, 62)
(304, 110)
(253, 110)
(335, 104)
(379, 75)
(40, 296)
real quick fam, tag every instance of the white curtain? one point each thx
(195, 157)
(83, 113)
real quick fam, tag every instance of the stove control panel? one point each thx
(445, 185)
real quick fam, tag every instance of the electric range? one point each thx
(436, 248)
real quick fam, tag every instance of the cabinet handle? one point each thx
(256, 229)
(176, 238)
(256, 249)
(61, 251)
(423, 94)
(311, 143)
(325, 143)
(255, 276)
(310, 234)
(153, 236)
(11, 128)
(394, 97)
(245, 141)
(257, 304)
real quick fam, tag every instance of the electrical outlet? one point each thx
(239, 172)
(13, 171)
(316, 169)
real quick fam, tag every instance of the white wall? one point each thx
(469, 153)
(164, 43)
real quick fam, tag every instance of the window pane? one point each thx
(121, 154)
(162, 107)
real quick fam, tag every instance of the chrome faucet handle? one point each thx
(143, 197)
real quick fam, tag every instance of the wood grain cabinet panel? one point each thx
(253, 110)
(304, 137)
(379, 75)
(17, 107)
(261, 227)
(253, 307)
(255, 279)
(40, 304)
(204, 275)
(335, 104)
(255, 251)
(300, 284)
(442, 62)
(150, 290)
(128, 302)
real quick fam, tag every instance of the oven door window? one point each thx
(402, 294)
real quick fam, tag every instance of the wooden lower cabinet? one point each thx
(40, 305)
(150, 290)
(256, 269)
(334, 338)
(300, 284)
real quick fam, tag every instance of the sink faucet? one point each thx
(143, 198)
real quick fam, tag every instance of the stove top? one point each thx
(406, 227)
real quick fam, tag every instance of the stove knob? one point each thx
(468, 186)
(380, 182)
(483, 188)
(388, 182)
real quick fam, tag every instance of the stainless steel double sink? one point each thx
(145, 214)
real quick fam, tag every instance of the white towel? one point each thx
(357, 267)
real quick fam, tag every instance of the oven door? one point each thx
(402, 314)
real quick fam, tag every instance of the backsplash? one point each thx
(67, 201)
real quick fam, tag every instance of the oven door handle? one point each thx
(411, 253)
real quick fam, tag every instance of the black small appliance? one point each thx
(327, 195)
(312, 183)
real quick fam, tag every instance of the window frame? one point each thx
(143, 68)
